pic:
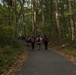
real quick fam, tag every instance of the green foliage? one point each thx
(13, 22)
(8, 55)
(70, 48)
(65, 46)
(5, 34)
(70, 51)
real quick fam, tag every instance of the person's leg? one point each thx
(38, 46)
(45, 46)
(33, 45)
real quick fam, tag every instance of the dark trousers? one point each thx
(45, 44)
(33, 45)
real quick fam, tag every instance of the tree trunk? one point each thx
(33, 18)
(52, 16)
(74, 16)
(57, 19)
(32, 6)
(24, 28)
(42, 9)
(71, 21)
(15, 19)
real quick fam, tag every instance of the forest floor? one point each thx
(68, 50)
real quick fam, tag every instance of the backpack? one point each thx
(45, 40)
(38, 40)
(32, 40)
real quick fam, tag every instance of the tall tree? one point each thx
(32, 7)
(33, 17)
(42, 9)
(24, 18)
(57, 19)
(71, 20)
(52, 18)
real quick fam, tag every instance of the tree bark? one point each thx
(33, 18)
(42, 9)
(32, 7)
(71, 21)
(24, 28)
(57, 19)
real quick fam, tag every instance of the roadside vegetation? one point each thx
(9, 55)
(65, 48)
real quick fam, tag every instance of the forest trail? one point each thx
(46, 62)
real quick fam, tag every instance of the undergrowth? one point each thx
(8, 55)
(68, 47)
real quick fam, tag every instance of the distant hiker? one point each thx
(23, 37)
(39, 40)
(33, 42)
(29, 39)
(45, 41)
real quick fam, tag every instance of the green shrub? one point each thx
(5, 34)
(8, 56)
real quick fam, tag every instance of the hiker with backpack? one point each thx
(39, 40)
(33, 42)
(45, 41)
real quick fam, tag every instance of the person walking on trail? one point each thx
(45, 41)
(33, 42)
(39, 40)
(29, 39)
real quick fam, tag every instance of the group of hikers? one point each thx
(39, 41)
